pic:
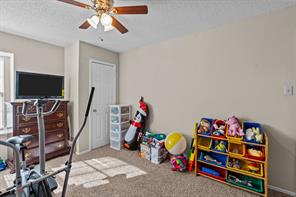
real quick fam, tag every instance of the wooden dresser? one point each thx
(56, 131)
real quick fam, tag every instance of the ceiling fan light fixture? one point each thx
(106, 20)
(94, 21)
(108, 28)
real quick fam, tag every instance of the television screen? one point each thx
(33, 85)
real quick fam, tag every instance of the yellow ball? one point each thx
(175, 143)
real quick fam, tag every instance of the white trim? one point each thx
(90, 82)
(83, 152)
(12, 73)
(278, 189)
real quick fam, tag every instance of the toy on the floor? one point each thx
(243, 182)
(220, 146)
(209, 158)
(204, 126)
(219, 128)
(254, 134)
(255, 153)
(131, 139)
(192, 151)
(234, 127)
(179, 163)
(175, 143)
(210, 171)
(2, 164)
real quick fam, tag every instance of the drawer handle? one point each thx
(27, 143)
(60, 124)
(60, 145)
(26, 130)
(60, 114)
(28, 154)
(60, 135)
(26, 119)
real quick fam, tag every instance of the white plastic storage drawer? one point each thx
(120, 119)
(117, 109)
(115, 136)
(119, 127)
(115, 144)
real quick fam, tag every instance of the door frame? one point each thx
(90, 83)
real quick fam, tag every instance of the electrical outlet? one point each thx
(288, 90)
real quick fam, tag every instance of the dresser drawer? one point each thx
(32, 154)
(33, 128)
(50, 137)
(55, 116)
(50, 104)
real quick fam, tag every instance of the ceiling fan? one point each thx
(105, 12)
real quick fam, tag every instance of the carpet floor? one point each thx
(110, 173)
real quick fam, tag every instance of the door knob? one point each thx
(94, 110)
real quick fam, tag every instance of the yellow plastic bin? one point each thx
(236, 149)
(244, 167)
(204, 143)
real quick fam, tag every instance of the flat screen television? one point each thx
(35, 85)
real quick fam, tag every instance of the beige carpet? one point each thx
(107, 172)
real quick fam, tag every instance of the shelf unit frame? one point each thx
(265, 162)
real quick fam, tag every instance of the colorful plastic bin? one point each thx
(244, 167)
(211, 123)
(222, 159)
(257, 184)
(218, 122)
(262, 158)
(215, 142)
(248, 125)
(241, 149)
(204, 143)
(221, 171)
(234, 138)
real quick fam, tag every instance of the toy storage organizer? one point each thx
(220, 165)
(120, 116)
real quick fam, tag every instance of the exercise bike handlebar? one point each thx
(89, 101)
(35, 103)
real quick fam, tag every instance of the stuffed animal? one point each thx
(234, 127)
(219, 128)
(254, 134)
(204, 126)
(221, 146)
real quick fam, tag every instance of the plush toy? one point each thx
(179, 163)
(254, 134)
(204, 126)
(253, 167)
(255, 153)
(234, 127)
(221, 146)
(219, 128)
(235, 163)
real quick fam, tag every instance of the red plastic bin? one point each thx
(222, 172)
(262, 158)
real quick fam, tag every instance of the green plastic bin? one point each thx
(257, 183)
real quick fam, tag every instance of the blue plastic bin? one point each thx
(248, 125)
(219, 157)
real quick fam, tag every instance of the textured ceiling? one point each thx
(55, 22)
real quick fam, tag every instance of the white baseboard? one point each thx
(83, 152)
(282, 190)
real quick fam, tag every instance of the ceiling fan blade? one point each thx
(141, 9)
(118, 25)
(76, 3)
(84, 25)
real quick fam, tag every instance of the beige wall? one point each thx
(87, 52)
(72, 83)
(239, 69)
(33, 56)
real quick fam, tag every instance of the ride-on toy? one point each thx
(37, 182)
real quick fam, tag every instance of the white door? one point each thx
(103, 78)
